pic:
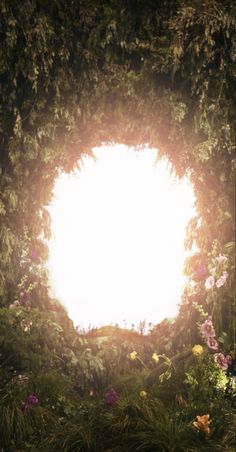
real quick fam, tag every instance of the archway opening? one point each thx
(118, 231)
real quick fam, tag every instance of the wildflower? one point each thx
(133, 356)
(222, 280)
(223, 360)
(29, 401)
(32, 399)
(111, 398)
(202, 423)
(155, 357)
(221, 259)
(213, 270)
(212, 343)
(210, 282)
(201, 272)
(34, 254)
(207, 329)
(143, 394)
(197, 350)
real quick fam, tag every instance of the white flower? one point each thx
(222, 280)
(210, 282)
(221, 259)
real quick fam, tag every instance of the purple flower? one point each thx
(222, 280)
(32, 399)
(29, 401)
(207, 329)
(223, 360)
(212, 343)
(201, 272)
(209, 283)
(111, 398)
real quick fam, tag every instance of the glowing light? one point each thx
(118, 232)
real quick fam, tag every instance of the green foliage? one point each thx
(205, 379)
(17, 427)
(77, 436)
(74, 75)
(72, 413)
(144, 424)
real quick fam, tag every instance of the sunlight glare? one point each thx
(118, 230)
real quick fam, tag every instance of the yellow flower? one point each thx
(133, 355)
(155, 357)
(143, 394)
(197, 350)
(202, 423)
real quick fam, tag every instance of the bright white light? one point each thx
(118, 230)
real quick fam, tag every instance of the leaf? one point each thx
(2, 208)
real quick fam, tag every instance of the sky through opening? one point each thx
(118, 231)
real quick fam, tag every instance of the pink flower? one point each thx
(223, 360)
(34, 254)
(201, 272)
(221, 259)
(207, 329)
(212, 343)
(222, 280)
(209, 283)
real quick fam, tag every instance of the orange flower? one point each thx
(202, 423)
